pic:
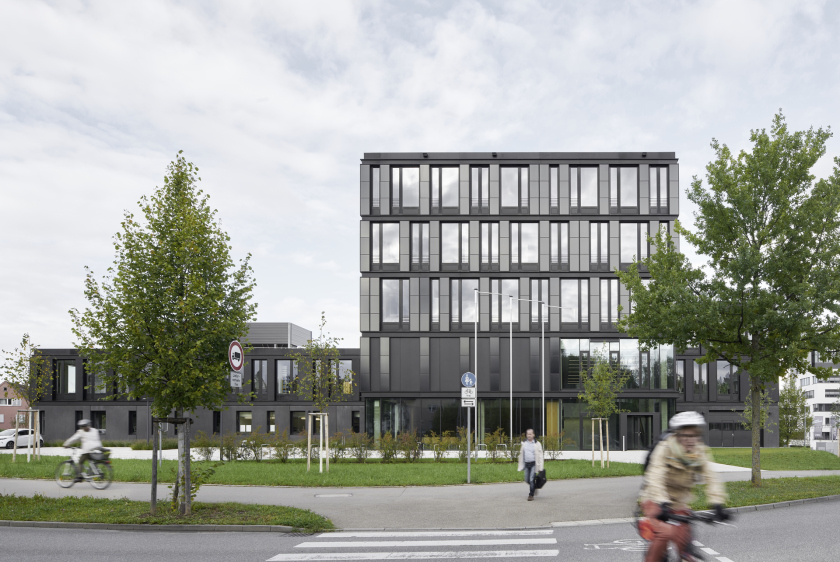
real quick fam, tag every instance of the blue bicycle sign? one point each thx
(468, 379)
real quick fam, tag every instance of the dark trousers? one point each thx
(530, 475)
(79, 465)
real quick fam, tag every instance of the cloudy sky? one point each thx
(277, 101)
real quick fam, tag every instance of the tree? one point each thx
(321, 378)
(601, 386)
(159, 324)
(794, 415)
(769, 292)
(27, 371)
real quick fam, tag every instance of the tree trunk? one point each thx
(187, 473)
(153, 502)
(755, 421)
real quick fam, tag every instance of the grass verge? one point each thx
(97, 510)
(342, 474)
(782, 458)
(773, 490)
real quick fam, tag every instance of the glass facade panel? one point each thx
(629, 242)
(374, 181)
(629, 353)
(435, 300)
(411, 187)
(723, 370)
(588, 187)
(390, 300)
(569, 300)
(260, 376)
(66, 373)
(449, 187)
(450, 235)
(468, 288)
(390, 242)
(286, 374)
(629, 187)
(701, 382)
(553, 187)
(510, 187)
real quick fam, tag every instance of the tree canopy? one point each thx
(27, 371)
(770, 290)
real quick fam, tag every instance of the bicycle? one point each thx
(97, 470)
(645, 529)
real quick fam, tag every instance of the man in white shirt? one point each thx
(89, 438)
(531, 460)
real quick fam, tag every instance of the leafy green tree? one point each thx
(770, 290)
(27, 371)
(159, 324)
(601, 386)
(794, 415)
(320, 378)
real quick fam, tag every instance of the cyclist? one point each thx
(89, 438)
(676, 463)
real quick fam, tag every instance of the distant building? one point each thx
(10, 403)
(822, 396)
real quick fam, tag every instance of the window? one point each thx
(375, 195)
(501, 308)
(633, 244)
(286, 375)
(355, 421)
(435, 302)
(259, 376)
(79, 416)
(405, 190)
(728, 384)
(658, 190)
(524, 245)
(217, 423)
(66, 376)
(420, 246)
(344, 375)
(599, 246)
(583, 190)
(609, 304)
(455, 246)
(132, 422)
(558, 233)
(95, 383)
(243, 422)
(539, 292)
(271, 422)
(385, 246)
(553, 190)
(681, 376)
(490, 246)
(445, 191)
(463, 314)
(395, 302)
(624, 189)
(701, 382)
(515, 190)
(480, 190)
(574, 300)
(97, 419)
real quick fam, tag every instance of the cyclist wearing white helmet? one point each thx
(678, 462)
(89, 438)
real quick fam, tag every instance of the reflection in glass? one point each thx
(286, 373)
(375, 185)
(375, 240)
(530, 243)
(465, 243)
(411, 187)
(390, 242)
(260, 376)
(450, 251)
(449, 187)
(588, 187)
(510, 187)
(553, 187)
(613, 187)
(629, 353)
(723, 377)
(681, 376)
(468, 288)
(569, 300)
(573, 187)
(629, 242)
(405, 299)
(390, 300)
(514, 242)
(523, 189)
(435, 300)
(395, 188)
(629, 187)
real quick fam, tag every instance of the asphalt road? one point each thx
(799, 533)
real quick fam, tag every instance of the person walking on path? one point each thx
(531, 460)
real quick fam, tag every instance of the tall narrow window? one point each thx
(728, 385)
(680, 366)
(259, 376)
(445, 191)
(559, 239)
(454, 246)
(490, 246)
(624, 189)
(658, 190)
(501, 308)
(701, 382)
(405, 190)
(463, 313)
(435, 301)
(480, 190)
(374, 184)
(574, 300)
(395, 303)
(420, 246)
(385, 246)
(524, 245)
(271, 422)
(633, 244)
(583, 186)
(515, 190)
(553, 190)
(609, 304)
(286, 375)
(539, 292)
(132, 422)
(599, 244)
(66, 376)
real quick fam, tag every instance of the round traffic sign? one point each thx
(468, 379)
(236, 356)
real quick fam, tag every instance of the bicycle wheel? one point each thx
(101, 475)
(65, 474)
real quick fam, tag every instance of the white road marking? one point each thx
(724, 559)
(333, 495)
(386, 534)
(710, 551)
(384, 544)
(696, 543)
(482, 554)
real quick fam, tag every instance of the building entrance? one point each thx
(639, 431)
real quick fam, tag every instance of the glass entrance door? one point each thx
(639, 431)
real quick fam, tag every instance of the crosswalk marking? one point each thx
(481, 554)
(387, 534)
(388, 544)
(710, 551)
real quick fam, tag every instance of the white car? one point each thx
(7, 438)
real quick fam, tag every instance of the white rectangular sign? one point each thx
(468, 392)
(468, 402)
(235, 379)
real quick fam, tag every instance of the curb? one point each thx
(285, 529)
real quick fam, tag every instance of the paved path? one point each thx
(442, 507)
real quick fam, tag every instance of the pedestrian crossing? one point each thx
(425, 545)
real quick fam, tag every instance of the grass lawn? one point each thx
(96, 510)
(371, 473)
(774, 490)
(782, 458)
